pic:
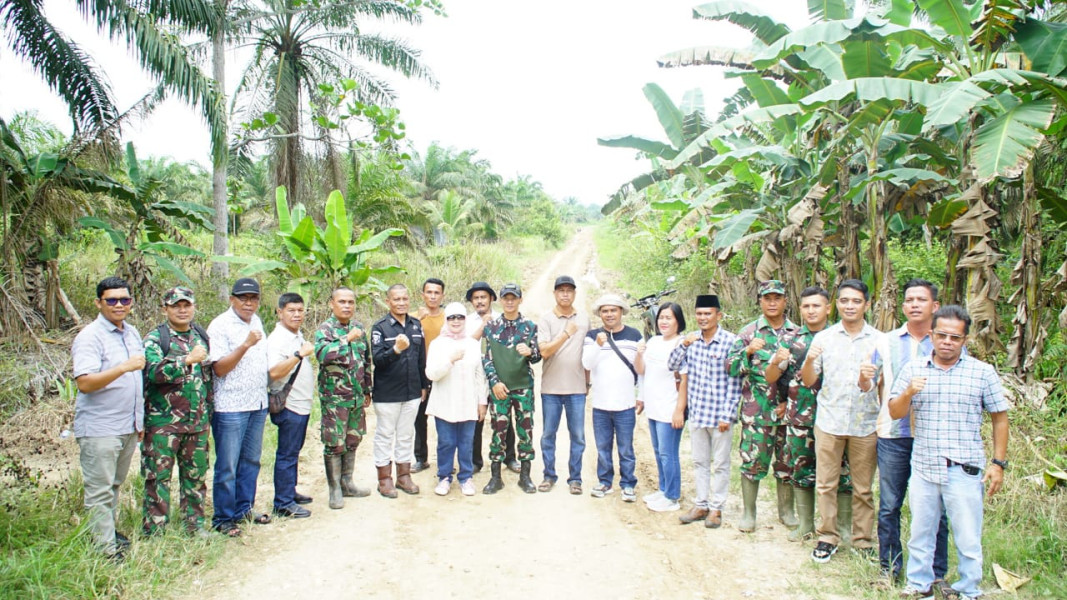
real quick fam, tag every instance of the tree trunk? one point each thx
(1028, 335)
(220, 165)
(884, 282)
(848, 254)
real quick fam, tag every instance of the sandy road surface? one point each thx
(510, 545)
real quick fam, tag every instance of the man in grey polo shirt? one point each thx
(241, 368)
(563, 383)
(108, 357)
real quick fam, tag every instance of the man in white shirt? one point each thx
(287, 348)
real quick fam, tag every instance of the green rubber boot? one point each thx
(786, 515)
(805, 498)
(749, 491)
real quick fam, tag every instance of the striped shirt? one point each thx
(712, 395)
(948, 413)
(614, 388)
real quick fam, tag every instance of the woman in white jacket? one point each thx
(458, 398)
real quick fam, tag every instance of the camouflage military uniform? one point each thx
(177, 413)
(344, 380)
(799, 452)
(761, 436)
(506, 335)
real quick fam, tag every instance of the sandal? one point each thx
(257, 518)
(546, 485)
(230, 530)
(576, 488)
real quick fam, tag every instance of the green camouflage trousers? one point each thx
(159, 453)
(800, 457)
(758, 444)
(522, 402)
(343, 427)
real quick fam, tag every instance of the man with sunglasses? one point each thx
(108, 357)
(947, 392)
(241, 375)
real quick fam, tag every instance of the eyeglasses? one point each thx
(123, 301)
(247, 298)
(456, 317)
(955, 337)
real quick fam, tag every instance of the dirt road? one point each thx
(511, 544)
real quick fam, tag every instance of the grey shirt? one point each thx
(118, 407)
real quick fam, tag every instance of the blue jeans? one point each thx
(292, 429)
(894, 470)
(665, 442)
(238, 444)
(453, 438)
(615, 427)
(962, 498)
(552, 407)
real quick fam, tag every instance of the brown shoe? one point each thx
(695, 514)
(403, 479)
(714, 520)
(385, 481)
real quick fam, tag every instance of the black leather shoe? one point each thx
(419, 466)
(293, 512)
(121, 541)
(302, 499)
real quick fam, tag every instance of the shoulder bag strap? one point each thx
(625, 361)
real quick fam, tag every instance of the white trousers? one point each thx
(394, 432)
(711, 465)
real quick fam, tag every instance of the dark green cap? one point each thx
(771, 286)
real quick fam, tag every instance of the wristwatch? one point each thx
(1003, 464)
(296, 354)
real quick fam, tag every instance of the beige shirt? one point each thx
(563, 372)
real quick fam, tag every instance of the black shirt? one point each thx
(398, 377)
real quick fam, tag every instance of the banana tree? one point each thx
(322, 258)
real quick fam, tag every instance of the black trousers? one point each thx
(421, 450)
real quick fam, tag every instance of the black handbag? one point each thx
(276, 399)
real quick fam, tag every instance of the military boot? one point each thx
(385, 481)
(805, 498)
(333, 479)
(786, 515)
(525, 483)
(495, 482)
(749, 491)
(403, 479)
(348, 466)
(844, 519)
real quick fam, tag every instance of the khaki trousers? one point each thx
(863, 461)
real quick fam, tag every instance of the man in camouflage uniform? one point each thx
(344, 391)
(511, 347)
(755, 357)
(799, 452)
(177, 390)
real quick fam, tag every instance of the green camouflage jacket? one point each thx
(800, 411)
(177, 396)
(344, 368)
(504, 335)
(758, 398)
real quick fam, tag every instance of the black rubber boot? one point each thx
(333, 479)
(525, 483)
(348, 466)
(495, 482)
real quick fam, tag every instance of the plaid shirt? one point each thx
(948, 413)
(712, 394)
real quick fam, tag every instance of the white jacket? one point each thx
(458, 388)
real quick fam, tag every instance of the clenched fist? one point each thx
(571, 329)
(601, 338)
(781, 355)
(307, 349)
(133, 363)
(422, 313)
(867, 371)
(197, 355)
(523, 349)
(641, 347)
(354, 334)
(457, 355)
(402, 343)
(253, 338)
(916, 385)
(689, 339)
(813, 353)
(754, 346)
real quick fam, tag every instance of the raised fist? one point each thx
(754, 346)
(458, 355)
(601, 338)
(781, 355)
(916, 385)
(133, 363)
(307, 349)
(523, 349)
(354, 334)
(571, 329)
(198, 354)
(689, 339)
(814, 352)
(253, 338)
(402, 343)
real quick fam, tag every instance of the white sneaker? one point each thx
(650, 498)
(443, 486)
(628, 494)
(467, 487)
(664, 504)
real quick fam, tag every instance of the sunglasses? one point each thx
(456, 317)
(123, 301)
(954, 337)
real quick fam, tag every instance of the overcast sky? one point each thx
(530, 85)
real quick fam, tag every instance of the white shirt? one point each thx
(281, 345)
(613, 382)
(459, 387)
(245, 387)
(475, 323)
(658, 390)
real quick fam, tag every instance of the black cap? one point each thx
(707, 301)
(564, 280)
(245, 285)
(481, 286)
(511, 288)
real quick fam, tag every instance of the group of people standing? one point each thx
(822, 406)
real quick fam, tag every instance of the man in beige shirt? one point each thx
(563, 382)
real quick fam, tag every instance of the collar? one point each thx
(108, 325)
(928, 361)
(762, 323)
(804, 329)
(237, 318)
(840, 327)
(573, 313)
(902, 332)
(282, 331)
(719, 332)
(395, 321)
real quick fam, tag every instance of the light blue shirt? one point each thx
(118, 407)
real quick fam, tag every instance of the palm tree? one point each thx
(299, 45)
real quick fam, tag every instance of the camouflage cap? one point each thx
(177, 294)
(771, 286)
